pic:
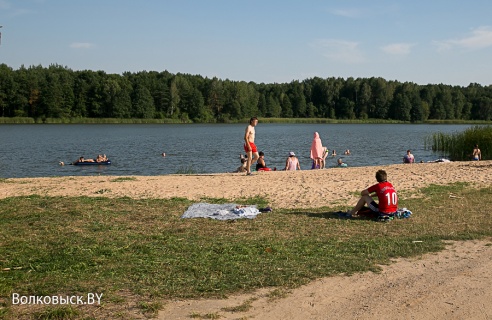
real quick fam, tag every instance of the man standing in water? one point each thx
(249, 144)
(477, 154)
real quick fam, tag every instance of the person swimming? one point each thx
(340, 163)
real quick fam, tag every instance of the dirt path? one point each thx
(453, 284)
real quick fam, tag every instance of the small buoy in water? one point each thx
(61, 163)
(163, 154)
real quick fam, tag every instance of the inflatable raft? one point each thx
(87, 163)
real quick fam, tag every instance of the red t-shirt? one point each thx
(388, 200)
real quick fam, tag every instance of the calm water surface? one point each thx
(36, 150)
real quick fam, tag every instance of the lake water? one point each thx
(36, 150)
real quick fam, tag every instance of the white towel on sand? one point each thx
(227, 211)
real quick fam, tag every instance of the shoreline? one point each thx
(283, 189)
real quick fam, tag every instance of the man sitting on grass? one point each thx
(387, 198)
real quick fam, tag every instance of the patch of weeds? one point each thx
(58, 313)
(277, 294)
(355, 193)
(4, 312)
(121, 179)
(150, 307)
(195, 315)
(243, 307)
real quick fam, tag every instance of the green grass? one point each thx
(139, 252)
(121, 179)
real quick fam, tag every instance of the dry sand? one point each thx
(454, 284)
(284, 189)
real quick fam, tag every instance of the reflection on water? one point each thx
(35, 150)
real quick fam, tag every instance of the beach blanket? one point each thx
(227, 211)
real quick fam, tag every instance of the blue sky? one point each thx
(432, 41)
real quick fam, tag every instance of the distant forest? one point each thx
(59, 92)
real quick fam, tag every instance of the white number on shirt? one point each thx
(391, 198)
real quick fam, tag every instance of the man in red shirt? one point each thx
(387, 198)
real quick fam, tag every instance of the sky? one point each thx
(264, 41)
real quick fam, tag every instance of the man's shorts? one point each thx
(253, 147)
(373, 206)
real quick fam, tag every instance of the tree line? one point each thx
(59, 92)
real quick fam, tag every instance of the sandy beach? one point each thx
(283, 189)
(454, 284)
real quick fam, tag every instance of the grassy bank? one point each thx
(139, 252)
(27, 120)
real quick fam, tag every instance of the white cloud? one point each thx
(81, 45)
(398, 48)
(339, 50)
(477, 39)
(365, 12)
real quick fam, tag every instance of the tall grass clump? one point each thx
(459, 146)
(187, 170)
(16, 120)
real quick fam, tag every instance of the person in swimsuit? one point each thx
(101, 158)
(292, 163)
(249, 144)
(261, 164)
(242, 167)
(408, 158)
(323, 160)
(477, 154)
(340, 163)
(82, 159)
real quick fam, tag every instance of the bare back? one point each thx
(476, 154)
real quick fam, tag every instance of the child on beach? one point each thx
(242, 167)
(387, 198)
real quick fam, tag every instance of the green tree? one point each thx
(175, 99)
(7, 90)
(143, 104)
(286, 106)
(345, 109)
(215, 97)
(273, 108)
